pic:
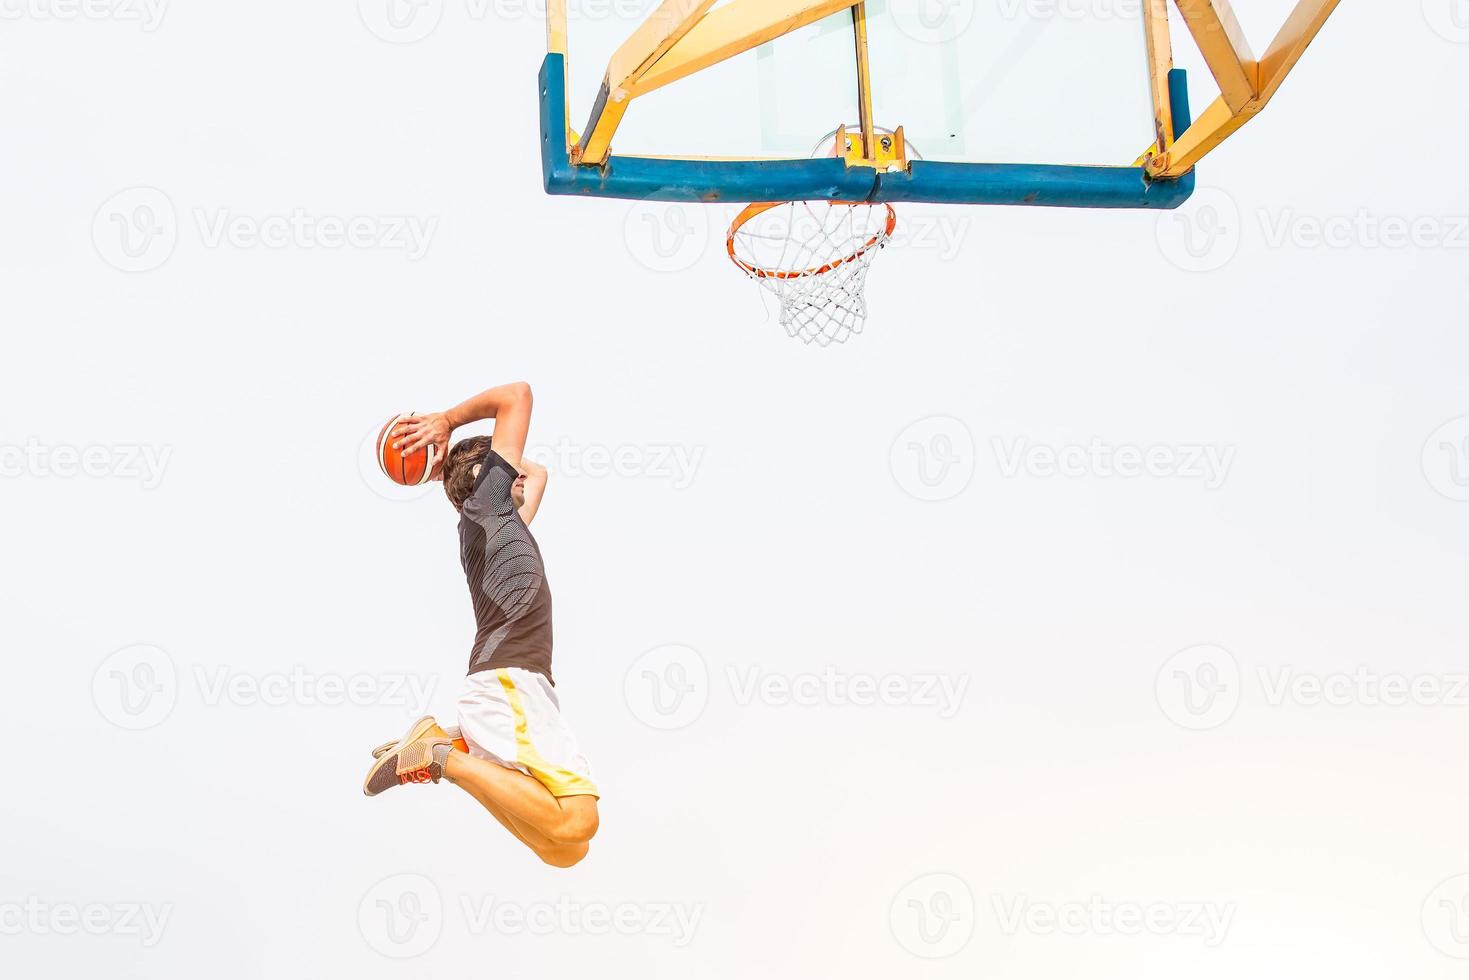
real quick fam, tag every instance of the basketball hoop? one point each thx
(814, 255)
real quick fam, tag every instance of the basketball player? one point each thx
(512, 751)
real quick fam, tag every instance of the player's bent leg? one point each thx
(425, 755)
(579, 820)
(523, 834)
(527, 802)
(545, 848)
(556, 855)
(563, 855)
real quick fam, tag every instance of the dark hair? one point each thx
(459, 468)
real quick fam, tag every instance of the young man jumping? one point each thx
(512, 751)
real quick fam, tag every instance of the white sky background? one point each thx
(1071, 606)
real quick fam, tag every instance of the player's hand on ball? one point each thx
(422, 430)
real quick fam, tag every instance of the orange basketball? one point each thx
(411, 470)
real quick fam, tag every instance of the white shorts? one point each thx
(512, 717)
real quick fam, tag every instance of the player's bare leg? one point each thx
(557, 829)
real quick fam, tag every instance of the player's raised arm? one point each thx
(509, 405)
(512, 423)
(533, 489)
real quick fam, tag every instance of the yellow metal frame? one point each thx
(1246, 84)
(685, 36)
(864, 83)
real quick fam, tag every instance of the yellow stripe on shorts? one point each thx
(560, 781)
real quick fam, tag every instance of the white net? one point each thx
(813, 256)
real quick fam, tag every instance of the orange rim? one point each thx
(757, 209)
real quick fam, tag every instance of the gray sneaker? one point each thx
(417, 757)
